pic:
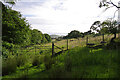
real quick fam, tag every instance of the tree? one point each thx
(44, 40)
(96, 26)
(108, 4)
(48, 37)
(112, 28)
(15, 28)
(106, 26)
(74, 34)
(36, 36)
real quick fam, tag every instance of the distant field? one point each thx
(47, 48)
(81, 42)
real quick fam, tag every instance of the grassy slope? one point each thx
(85, 64)
(82, 63)
(78, 62)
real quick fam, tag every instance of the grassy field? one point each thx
(78, 62)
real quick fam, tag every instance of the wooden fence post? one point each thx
(87, 40)
(67, 44)
(52, 48)
(103, 37)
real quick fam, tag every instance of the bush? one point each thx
(57, 71)
(68, 63)
(8, 45)
(37, 60)
(48, 61)
(21, 60)
(5, 52)
(9, 66)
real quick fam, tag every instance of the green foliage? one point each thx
(107, 26)
(9, 65)
(104, 30)
(44, 40)
(57, 71)
(8, 45)
(68, 63)
(37, 60)
(21, 60)
(48, 37)
(5, 52)
(48, 61)
(74, 34)
(36, 36)
(15, 28)
(9, 48)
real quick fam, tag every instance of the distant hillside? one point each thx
(54, 36)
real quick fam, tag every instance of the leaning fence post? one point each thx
(67, 44)
(52, 48)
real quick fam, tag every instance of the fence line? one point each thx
(63, 45)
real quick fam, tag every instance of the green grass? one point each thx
(82, 63)
(78, 62)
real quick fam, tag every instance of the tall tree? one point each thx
(48, 37)
(106, 26)
(15, 28)
(36, 36)
(108, 4)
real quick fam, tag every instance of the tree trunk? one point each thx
(119, 35)
(112, 40)
(119, 30)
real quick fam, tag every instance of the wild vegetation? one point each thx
(16, 31)
(22, 56)
(77, 62)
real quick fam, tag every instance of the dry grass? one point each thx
(81, 42)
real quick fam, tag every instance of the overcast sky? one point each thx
(62, 16)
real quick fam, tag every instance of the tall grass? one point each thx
(9, 66)
(78, 62)
(82, 63)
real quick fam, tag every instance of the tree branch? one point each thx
(112, 4)
(114, 14)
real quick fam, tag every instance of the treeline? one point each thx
(77, 34)
(101, 31)
(16, 30)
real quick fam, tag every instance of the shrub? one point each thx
(5, 52)
(8, 45)
(48, 61)
(36, 60)
(68, 63)
(57, 71)
(9, 66)
(21, 60)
